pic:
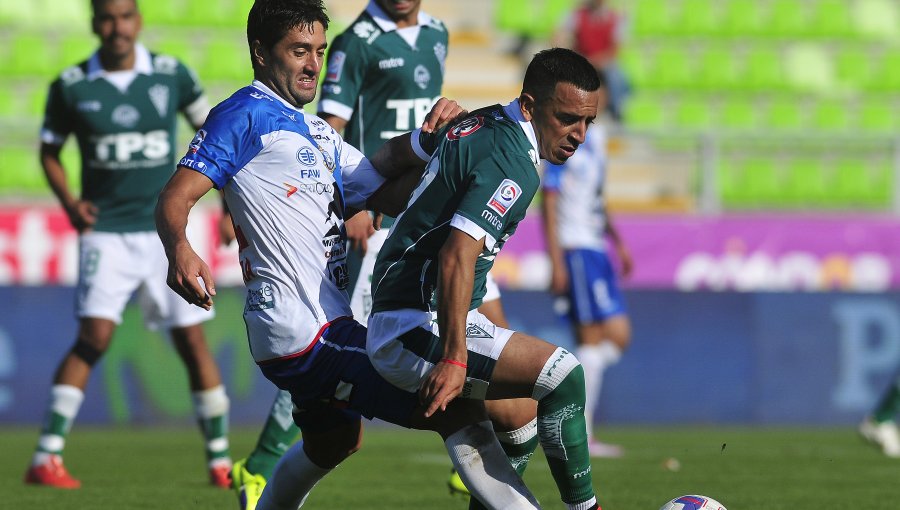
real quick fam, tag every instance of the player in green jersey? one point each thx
(425, 333)
(122, 104)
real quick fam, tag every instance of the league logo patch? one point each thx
(465, 128)
(336, 66)
(505, 196)
(198, 139)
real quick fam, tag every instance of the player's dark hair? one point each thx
(558, 65)
(97, 4)
(270, 20)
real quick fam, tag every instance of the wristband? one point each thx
(454, 362)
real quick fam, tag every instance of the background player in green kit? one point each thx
(122, 105)
(425, 332)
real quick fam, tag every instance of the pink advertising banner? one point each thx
(765, 252)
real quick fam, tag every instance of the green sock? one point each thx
(519, 446)
(278, 434)
(559, 391)
(212, 415)
(890, 403)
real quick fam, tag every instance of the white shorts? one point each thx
(361, 300)
(112, 266)
(404, 346)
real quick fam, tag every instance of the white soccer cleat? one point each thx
(883, 434)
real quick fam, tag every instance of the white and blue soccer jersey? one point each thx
(286, 177)
(579, 182)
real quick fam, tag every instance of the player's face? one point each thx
(293, 65)
(398, 9)
(117, 24)
(561, 121)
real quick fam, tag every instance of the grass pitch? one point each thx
(744, 468)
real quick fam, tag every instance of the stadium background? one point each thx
(755, 180)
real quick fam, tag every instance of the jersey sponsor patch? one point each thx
(336, 66)
(505, 196)
(306, 156)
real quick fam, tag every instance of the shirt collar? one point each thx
(143, 63)
(386, 24)
(515, 113)
(265, 89)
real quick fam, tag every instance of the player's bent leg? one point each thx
(277, 435)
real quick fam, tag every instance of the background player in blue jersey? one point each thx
(122, 105)
(288, 179)
(576, 225)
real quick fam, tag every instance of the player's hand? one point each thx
(442, 113)
(626, 261)
(559, 280)
(441, 386)
(226, 229)
(359, 229)
(185, 267)
(82, 215)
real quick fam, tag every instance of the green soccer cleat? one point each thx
(456, 485)
(249, 487)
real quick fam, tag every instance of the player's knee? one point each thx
(562, 374)
(86, 352)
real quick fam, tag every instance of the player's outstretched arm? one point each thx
(180, 194)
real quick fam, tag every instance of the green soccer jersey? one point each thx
(125, 126)
(381, 79)
(480, 180)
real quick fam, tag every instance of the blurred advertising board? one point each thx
(698, 357)
(744, 253)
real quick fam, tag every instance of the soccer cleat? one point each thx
(220, 476)
(52, 474)
(249, 487)
(883, 434)
(456, 485)
(597, 449)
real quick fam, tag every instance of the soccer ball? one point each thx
(693, 502)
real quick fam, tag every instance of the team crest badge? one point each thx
(126, 116)
(476, 331)
(196, 141)
(421, 76)
(159, 96)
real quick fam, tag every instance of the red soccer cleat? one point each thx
(220, 476)
(52, 474)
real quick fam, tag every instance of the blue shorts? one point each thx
(335, 383)
(593, 287)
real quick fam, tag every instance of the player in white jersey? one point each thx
(576, 224)
(288, 179)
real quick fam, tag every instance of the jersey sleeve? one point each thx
(346, 70)
(189, 88)
(360, 178)
(57, 121)
(493, 200)
(224, 145)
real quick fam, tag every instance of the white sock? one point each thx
(592, 361)
(291, 481)
(484, 468)
(65, 400)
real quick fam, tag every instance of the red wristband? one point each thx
(454, 362)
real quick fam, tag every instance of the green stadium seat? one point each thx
(512, 16)
(853, 68)
(864, 183)
(787, 18)
(65, 14)
(763, 70)
(742, 18)
(8, 100)
(831, 116)
(36, 100)
(636, 66)
(159, 13)
(646, 112)
(31, 54)
(651, 17)
(226, 59)
(887, 74)
(693, 114)
(877, 115)
(808, 68)
(20, 169)
(832, 19)
(673, 68)
(75, 48)
(179, 47)
(785, 114)
(877, 19)
(763, 182)
(729, 185)
(806, 184)
(739, 114)
(718, 69)
(699, 18)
